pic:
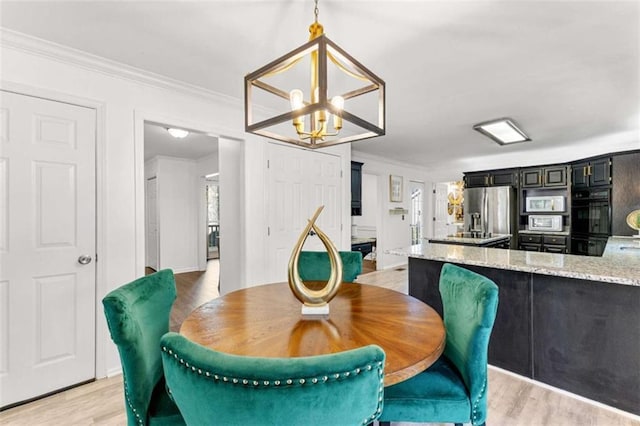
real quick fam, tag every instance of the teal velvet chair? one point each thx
(210, 387)
(138, 315)
(315, 265)
(454, 389)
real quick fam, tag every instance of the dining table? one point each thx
(266, 321)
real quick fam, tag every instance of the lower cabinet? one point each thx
(577, 335)
(510, 344)
(588, 246)
(586, 337)
(541, 242)
(364, 248)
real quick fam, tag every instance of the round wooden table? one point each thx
(266, 321)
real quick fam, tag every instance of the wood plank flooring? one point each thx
(512, 400)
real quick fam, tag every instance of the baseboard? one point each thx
(569, 394)
(184, 270)
(114, 372)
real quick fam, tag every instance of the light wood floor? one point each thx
(512, 401)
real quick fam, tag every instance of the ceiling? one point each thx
(158, 142)
(566, 71)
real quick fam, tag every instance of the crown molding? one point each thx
(68, 55)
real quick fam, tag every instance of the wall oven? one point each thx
(590, 221)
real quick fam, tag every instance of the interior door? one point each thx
(299, 182)
(440, 215)
(152, 223)
(47, 246)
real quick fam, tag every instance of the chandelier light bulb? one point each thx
(338, 102)
(296, 99)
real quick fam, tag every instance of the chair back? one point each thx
(470, 303)
(137, 316)
(344, 388)
(315, 265)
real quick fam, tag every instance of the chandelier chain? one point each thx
(316, 10)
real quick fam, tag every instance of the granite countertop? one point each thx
(362, 240)
(562, 233)
(619, 264)
(473, 241)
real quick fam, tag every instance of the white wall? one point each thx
(124, 98)
(178, 204)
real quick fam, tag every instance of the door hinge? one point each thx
(340, 173)
(268, 231)
(434, 219)
(434, 191)
(96, 257)
(268, 165)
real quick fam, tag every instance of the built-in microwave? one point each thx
(545, 204)
(548, 222)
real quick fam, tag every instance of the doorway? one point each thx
(416, 191)
(177, 222)
(212, 195)
(364, 228)
(448, 208)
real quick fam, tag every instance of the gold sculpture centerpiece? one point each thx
(315, 302)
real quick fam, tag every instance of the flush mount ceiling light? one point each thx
(503, 131)
(343, 102)
(178, 133)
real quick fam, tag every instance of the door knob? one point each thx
(84, 259)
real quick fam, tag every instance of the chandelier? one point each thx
(344, 101)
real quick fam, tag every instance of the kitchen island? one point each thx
(471, 239)
(572, 322)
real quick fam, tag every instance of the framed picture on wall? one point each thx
(395, 188)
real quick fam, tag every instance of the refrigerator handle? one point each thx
(485, 212)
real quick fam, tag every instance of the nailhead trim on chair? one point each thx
(302, 381)
(474, 416)
(129, 403)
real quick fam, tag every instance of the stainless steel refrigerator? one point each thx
(490, 211)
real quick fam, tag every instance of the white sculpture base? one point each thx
(315, 311)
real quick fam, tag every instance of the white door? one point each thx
(299, 182)
(47, 222)
(152, 223)
(440, 214)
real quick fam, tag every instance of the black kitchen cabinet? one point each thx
(586, 174)
(625, 191)
(537, 177)
(356, 188)
(510, 344)
(475, 180)
(587, 340)
(570, 333)
(505, 177)
(541, 242)
(364, 248)
(587, 245)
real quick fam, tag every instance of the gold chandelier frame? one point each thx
(322, 51)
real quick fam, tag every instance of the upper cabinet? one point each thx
(548, 176)
(625, 191)
(591, 173)
(505, 177)
(356, 188)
